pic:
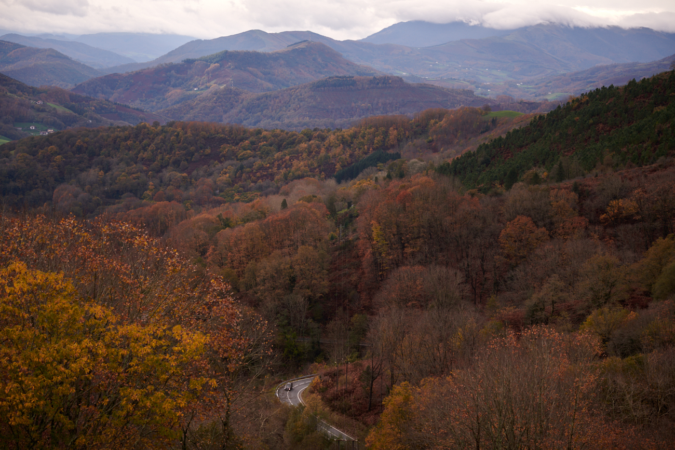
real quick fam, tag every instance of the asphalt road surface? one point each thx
(294, 398)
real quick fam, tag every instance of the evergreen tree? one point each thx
(511, 179)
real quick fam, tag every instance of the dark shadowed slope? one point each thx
(612, 126)
(23, 106)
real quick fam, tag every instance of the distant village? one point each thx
(33, 128)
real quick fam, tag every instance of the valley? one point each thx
(435, 232)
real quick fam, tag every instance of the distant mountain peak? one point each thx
(167, 85)
(418, 33)
(96, 58)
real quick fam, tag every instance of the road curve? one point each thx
(294, 398)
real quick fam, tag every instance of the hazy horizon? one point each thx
(348, 19)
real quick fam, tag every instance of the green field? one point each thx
(500, 114)
(4, 140)
(60, 108)
(557, 96)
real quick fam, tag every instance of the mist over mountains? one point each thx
(418, 33)
(221, 79)
(442, 52)
(96, 58)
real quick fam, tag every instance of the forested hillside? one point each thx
(334, 102)
(206, 164)
(170, 84)
(23, 106)
(218, 261)
(614, 126)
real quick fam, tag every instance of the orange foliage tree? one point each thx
(519, 238)
(142, 283)
(533, 390)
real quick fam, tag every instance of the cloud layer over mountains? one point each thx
(340, 19)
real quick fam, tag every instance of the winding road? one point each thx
(294, 398)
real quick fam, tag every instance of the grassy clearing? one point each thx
(557, 96)
(4, 140)
(500, 114)
(60, 108)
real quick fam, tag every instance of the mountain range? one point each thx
(456, 53)
(96, 58)
(274, 79)
(525, 53)
(418, 33)
(165, 85)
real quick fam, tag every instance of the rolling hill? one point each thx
(245, 163)
(328, 103)
(23, 106)
(166, 85)
(92, 57)
(40, 67)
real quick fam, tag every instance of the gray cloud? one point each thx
(340, 19)
(516, 16)
(664, 21)
(57, 7)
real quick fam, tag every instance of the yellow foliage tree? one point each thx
(652, 268)
(71, 376)
(605, 321)
(390, 432)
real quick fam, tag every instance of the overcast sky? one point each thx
(339, 19)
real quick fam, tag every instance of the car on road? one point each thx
(289, 387)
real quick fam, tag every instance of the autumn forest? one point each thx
(462, 278)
